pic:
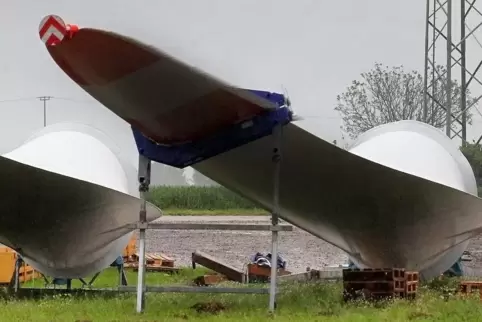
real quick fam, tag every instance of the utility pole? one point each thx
(44, 99)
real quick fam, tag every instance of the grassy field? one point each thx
(296, 302)
(201, 201)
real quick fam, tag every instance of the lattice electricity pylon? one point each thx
(443, 102)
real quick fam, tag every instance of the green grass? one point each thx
(201, 200)
(296, 302)
(109, 278)
(214, 212)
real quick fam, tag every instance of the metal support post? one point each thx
(276, 159)
(16, 277)
(122, 276)
(463, 71)
(144, 181)
(425, 77)
(448, 83)
(92, 280)
(46, 280)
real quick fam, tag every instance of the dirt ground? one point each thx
(299, 248)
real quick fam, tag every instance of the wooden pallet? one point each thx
(263, 274)
(155, 262)
(210, 279)
(466, 287)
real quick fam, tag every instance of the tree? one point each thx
(473, 153)
(386, 95)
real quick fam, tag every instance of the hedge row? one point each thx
(197, 198)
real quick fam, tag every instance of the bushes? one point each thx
(197, 198)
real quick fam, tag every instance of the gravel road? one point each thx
(299, 248)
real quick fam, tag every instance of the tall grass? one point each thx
(314, 301)
(197, 198)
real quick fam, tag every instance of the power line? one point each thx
(18, 99)
(44, 99)
(74, 100)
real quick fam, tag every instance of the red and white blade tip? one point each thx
(53, 30)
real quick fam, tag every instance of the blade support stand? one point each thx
(276, 159)
(144, 181)
(269, 124)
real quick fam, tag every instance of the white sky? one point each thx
(314, 48)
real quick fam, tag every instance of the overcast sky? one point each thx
(313, 48)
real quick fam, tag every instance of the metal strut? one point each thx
(276, 159)
(144, 181)
(16, 277)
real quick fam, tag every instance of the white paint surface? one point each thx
(81, 152)
(420, 150)
(73, 154)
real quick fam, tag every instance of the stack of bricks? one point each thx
(379, 283)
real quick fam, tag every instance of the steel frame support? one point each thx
(276, 159)
(438, 33)
(144, 178)
(16, 278)
(275, 227)
(211, 226)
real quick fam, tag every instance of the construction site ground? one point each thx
(299, 248)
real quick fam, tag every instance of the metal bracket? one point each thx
(143, 187)
(144, 175)
(277, 228)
